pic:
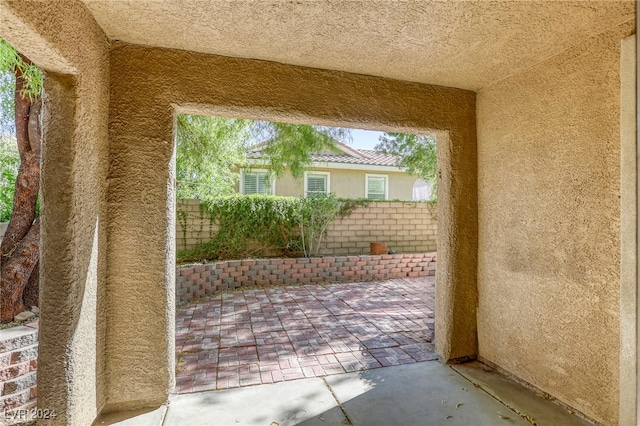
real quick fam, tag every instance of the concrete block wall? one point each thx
(3, 229)
(18, 363)
(193, 226)
(405, 227)
(195, 281)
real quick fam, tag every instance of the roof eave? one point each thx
(342, 166)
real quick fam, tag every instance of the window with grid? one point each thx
(317, 185)
(256, 183)
(377, 187)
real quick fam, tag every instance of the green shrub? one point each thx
(292, 226)
(9, 163)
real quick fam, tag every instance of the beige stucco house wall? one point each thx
(346, 183)
(346, 172)
(549, 235)
(532, 209)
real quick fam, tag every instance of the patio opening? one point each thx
(360, 297)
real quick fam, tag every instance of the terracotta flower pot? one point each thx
(378, 248)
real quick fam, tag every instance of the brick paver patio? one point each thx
(253, 336)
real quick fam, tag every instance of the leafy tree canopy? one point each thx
(211, 150)
(207, 152)
(19, 98)
(11, 63)
(9, 158)
(291, 145)
(7, 103)
(9, 162)
(416, 153)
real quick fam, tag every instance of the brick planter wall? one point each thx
(196, 281)
(18, 363)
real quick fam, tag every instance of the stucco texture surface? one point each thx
(628, 231)
(71, 367)
(349, 184)
(150, 85)
(549, 234)
(466, 44)
(549, 154)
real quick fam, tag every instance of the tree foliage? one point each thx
(291, 145)
(9, 163)
(416, 153)
(316, 214)
(212, 150)
(208, 151)
(7, 103)
(12, 65)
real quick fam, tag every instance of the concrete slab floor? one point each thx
(426, 393)
(535, 405)
(420, 394)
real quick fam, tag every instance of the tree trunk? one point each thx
(31, 294)
(16, 273)
(19, 252)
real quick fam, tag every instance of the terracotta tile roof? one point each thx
(369, 157)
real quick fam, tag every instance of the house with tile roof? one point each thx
(342, 170)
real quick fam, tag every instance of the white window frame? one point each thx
(327, 174)
(366, 185)
(252, 171)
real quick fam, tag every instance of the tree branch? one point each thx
(22, 108)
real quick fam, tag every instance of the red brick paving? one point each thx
(253, 336)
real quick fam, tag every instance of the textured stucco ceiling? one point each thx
(465, 44)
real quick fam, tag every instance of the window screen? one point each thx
(256, 183)
(316, 185)
(377, 187)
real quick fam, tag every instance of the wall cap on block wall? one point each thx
(17, 337)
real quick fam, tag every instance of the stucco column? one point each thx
(456, 287)
(58, 303)
(141, 258)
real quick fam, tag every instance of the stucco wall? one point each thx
(628, 232)
(549, 225)
(146, 94)
(550, 130)
(349, 184)
(64, 39)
